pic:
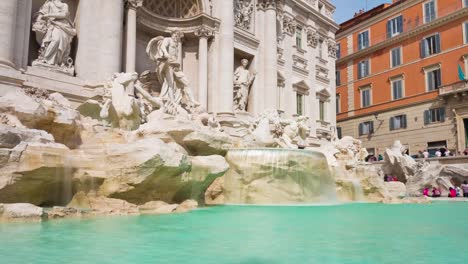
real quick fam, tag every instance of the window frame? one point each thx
(299, 38)
(465, 3)
(338, 77)
(390, 33)
(301, 110)
(338, 51)
(439, 117)
(370, 129)
(465, 31)
(361, 91)
(338, 103)
(368, 68)
(424, 46)
(400, 48)
(429, 70)
(368, 39)
(425, 16)
(322, 111)
(403, 122)
(394, 80)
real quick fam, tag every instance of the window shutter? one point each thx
(466, 27)
(360, 70)
(392, 127)
(366, 65)
(442, 114)
(438, 79)
(403, 121)
(398, 55)
(427, 117)
(359, 39)
(371, 127)
(400, 24)
(389, 29)
(437, 41)
(430, 81)
(428, 12)
(422, 48)
(360, 129)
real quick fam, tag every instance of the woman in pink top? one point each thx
(426, 192)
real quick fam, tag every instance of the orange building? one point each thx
(400, 76)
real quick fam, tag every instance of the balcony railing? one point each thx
(409, 24)
(454, 88)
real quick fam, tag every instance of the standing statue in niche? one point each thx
(176, 93)
(54, 32)
(243, 80)
(243, 16)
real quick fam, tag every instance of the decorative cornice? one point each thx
(404, 36)
(133, 4)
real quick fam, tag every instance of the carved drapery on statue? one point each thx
(243, 80)
(243, 14)
(176, 93)
(54, 32)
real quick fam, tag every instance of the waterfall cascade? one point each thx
(278, 176)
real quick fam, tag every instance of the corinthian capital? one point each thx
(204, 32)
(134, 4)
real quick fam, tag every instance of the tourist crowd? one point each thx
(453, 192)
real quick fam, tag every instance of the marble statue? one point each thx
(125, 106)
(243, 16)
(293, 129)
(54, 30)
(175, 89)
(243, 80)
(213, 122)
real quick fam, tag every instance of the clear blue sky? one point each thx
(345, 9)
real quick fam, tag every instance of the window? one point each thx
(338, 51)
(465, 31)
(339, 133)
(430, 45)
(363, 69)
(366, 128)
(363, 40)
(397, 89)
(465, 3)
(395, 26)
(366, 97)
(299, 37)
(338, 78)
(397, 122)
(433, 80)
(429, 11)
(320, 46)
(395, 55)
(322, 110)
(434, 115)
(300, 104)
(338, 103)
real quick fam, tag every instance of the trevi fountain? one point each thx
(148, 167)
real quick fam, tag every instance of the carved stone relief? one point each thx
(243, 14)
(289, 25)
(312, 38)
(332, 48)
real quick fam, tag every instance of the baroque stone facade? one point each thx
(283, 41)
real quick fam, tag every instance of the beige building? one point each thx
(289, 45)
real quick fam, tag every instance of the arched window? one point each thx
(174, 8)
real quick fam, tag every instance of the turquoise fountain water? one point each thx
(355, 233)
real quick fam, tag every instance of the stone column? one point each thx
(224, 92)
(100, 35)
(131, 7)
(203, 33)
(8, 13)
(270, 55)
(256, 103)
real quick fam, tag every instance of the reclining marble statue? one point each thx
(243, 80)
(176, 93)
(54, 31)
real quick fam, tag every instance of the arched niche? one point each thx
(174, 8)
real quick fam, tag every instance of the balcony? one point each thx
(411, 26)
(454, 89)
